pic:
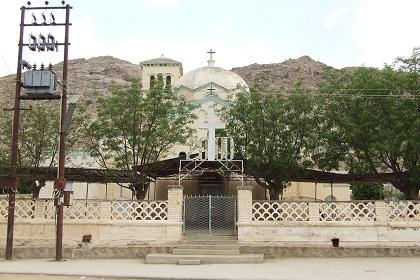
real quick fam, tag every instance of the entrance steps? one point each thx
(206, 250)
(203, 259)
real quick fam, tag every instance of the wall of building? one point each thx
(320, 191)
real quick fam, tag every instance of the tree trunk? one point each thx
(411, 192)
(139, 190)
(140, 194)
(275, 191)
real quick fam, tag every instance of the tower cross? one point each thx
(211, 126)
(211, 52)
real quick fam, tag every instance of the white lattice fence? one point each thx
(139, 210)
(83, 209)
(24, 208)
(3, 208)
(347, 211)
(280, 211)
(403, 210)
(49, 209)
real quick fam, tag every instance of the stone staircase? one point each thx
(205, 250)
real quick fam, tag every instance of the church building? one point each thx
(210, 88)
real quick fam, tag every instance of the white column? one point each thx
(244, 204)
(313, 211)
(40, 209)
(106, 210)
(381, 211)
(175, 199)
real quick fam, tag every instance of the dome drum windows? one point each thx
(152, 81)
(168, 81)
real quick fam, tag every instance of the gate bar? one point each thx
(210, 214)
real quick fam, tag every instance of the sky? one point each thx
(338, 33)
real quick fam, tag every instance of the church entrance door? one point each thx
(210, 215)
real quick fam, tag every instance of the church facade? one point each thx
(210, 88)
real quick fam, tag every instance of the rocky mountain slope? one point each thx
(95, 77)
(284, 74)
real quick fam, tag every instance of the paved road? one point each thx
(281, 269)
(46, 277)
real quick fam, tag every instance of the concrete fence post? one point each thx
(313, 211)
(381, 211)
(175, 199)
(106, 210)
(40, 209)
(244, 204)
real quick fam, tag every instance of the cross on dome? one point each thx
(211, 61)
(211, 52)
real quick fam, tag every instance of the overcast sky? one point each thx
(337, 32)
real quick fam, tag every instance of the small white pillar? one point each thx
(313, 211)
(175, 199)
(106, 210)
(381, 211)
(40, 209)
(244, 204)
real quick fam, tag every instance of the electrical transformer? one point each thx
(39, 82)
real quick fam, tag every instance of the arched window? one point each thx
(152, 81)
(168, 81)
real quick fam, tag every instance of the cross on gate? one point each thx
(211, 126)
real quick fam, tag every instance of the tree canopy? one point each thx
(274, 134)
(371, 121)
(38, 141)
(363, 120)
(134, 127)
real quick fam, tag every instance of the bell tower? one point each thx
(170, 70)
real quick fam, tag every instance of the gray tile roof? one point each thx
(159, 60)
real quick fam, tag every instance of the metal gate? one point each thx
(213, 215)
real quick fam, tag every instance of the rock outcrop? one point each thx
(284, 74)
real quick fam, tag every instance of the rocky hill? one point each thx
(284, 74)
(95, 77)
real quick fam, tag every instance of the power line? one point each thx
(405, 96)
(5, 62)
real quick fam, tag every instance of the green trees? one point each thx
(368, 191)
(366, 121)
(371, 122)
(274, 134)
(38, 142)
(135, 127)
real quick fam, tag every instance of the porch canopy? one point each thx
(73, 174)
(171, 166)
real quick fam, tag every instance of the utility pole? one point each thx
(60, 182)
(37, 90)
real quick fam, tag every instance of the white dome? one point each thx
(205, 75)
